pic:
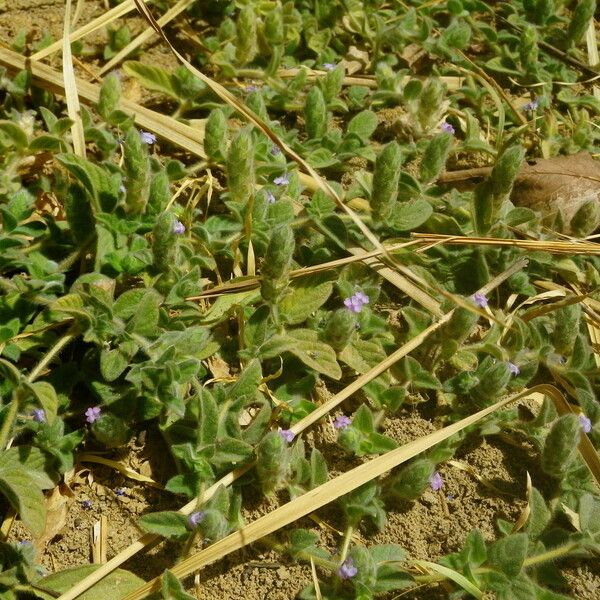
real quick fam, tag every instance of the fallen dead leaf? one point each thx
(57, 507)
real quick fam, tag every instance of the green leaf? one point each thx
(363, 124)
(152, 78)
(168, 523)
(230, 451)
(46, 395)
(24, 495)
(14, 133)
(145, 319)
(410, 214)
(117, 584)
(172, 589)
(227, 302)
(305, 345)
(101, 187)
(113, 363)
(305, 296)
(508, 554)
(363, 420)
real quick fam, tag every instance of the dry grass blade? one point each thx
(150, 539)
(145, 35)
(524, 516)
(120, 467)
(592, 50)
(71, 87)
(251, 116)
(250, 283)
(553, 246)
(164, 126)
(323, 495)
(98, 23)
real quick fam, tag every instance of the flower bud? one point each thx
(315, 114)
(493, 379)
(164, 243)
(136, 164)
(272, 461)
(340, 328)
(560, 447)
(333, 82)
(385, 182)
(580, 21)
(215, 134)
(240, 167)
(504, 174)
(277, 263)
(246, 48)
(434, 157)
(412, 480)
(566, 328)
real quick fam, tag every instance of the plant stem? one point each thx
(16, 396)
(346, 543)
(60, 344)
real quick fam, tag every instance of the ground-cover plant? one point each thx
(102, 333)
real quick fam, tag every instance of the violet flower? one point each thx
(271, 198)
(92, 414)
(87, 504)
(347, 569)
(531, 106)
(586, 423)
(480, 299)
(436, 481)
(120, 491)
(342, 421)
(195, 519)
(275, 150)
(282, 179)
(447, 128)
(147, 137)
(329, 66)
(39, 415)
(287, 434)
(356, 302)
(514, 370)
(178, 227)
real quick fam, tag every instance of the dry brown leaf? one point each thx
(559, 185)
(57, 507)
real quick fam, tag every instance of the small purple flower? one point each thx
(514, 370)
(251, 88)
(342, 421)
(356, 302)
(282, 179)
(271, 198)
(120, 491)
(329, 66)
(480, 300)
(287, 434)
(347, 569)
(147, 137)
(447, 128)
(275, 150)
(436, 482)
(92, 414)
(87, 504)
(195, 519)
(531, 106)
(178, 227)
(586, 423)
(39, 415)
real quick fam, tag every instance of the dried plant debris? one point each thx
(301, 298)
